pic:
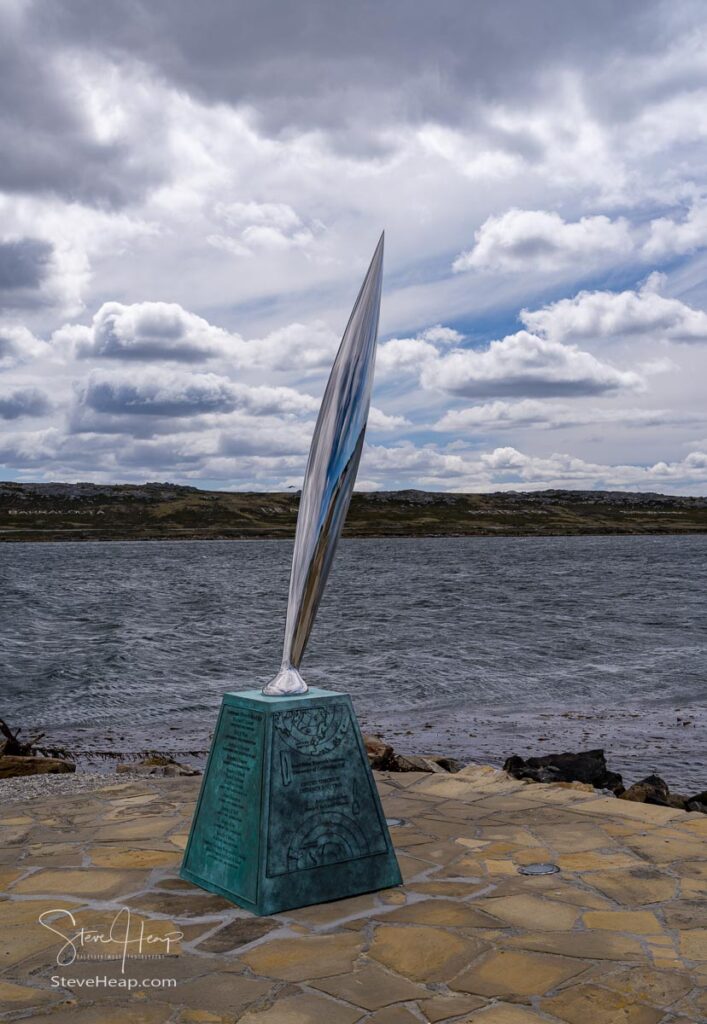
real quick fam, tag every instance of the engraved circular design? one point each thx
(329, 839)
(317, 730)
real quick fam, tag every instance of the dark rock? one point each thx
(651, 790)
(415, 763)
(13, 767)
(697, 802)
(383, 758)
(586, 766)
(157, 764)
(450, 764)
(381, 755)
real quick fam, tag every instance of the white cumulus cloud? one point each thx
(525, 364)
(523, 240)
(643, 313)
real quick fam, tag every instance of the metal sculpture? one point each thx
(330, 474)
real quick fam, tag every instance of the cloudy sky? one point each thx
(190, 194)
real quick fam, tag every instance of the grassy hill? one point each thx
(157, 511)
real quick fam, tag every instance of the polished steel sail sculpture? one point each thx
(329, 478)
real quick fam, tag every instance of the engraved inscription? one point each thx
(233, 800)
(327, 839)
(319, 787)
(313, 730)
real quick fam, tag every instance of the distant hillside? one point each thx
(162, 511)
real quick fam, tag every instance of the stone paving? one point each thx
(618, 936)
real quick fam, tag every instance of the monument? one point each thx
(289, 813)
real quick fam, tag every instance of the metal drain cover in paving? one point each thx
(539, 869)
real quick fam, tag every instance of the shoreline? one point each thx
(660, 740)
(698, 531)
(162, 511)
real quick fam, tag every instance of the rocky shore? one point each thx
(587, 769)
(30, 774)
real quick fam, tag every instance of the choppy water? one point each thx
(477, 647)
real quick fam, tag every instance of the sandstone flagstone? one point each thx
(144, 827)
(95, 882)
(693, 943)
(423, 953)
(596, 860)
(506, 1013)
(650, 814)
(446, 913)
(444, 887)
(331, 913)
(466, 939)
(223, 992)
(308, 956)
(109, 857)
(584, 1003)
(693, 869)
(240, 932)
(194, 903)
(445, 1007)
(590, 945)
(371, 987)
(648, 985)
(529, 911)
(578, 897)
(519, 974)
(135, 1012)
(665, 846)
(23, 998)
(8, 876)
(394, 1015)
(686, 914)
(638, 922)
(305, 1008)
(637, 886)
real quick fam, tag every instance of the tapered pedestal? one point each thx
(288, 814)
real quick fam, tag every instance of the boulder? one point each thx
(414, 763)
(157, 764)
(12, 766)
(382, 758)
(651, 790)
(381, 755)
(697, 802)
(587, 766)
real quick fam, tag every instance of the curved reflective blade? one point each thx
(331, 471)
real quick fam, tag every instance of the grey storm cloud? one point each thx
(46, 143)
(23, 402)
(117, 396)
(311, 64)
(24, 264)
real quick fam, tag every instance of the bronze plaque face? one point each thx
(319, 793)
(227, 849)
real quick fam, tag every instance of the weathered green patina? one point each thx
(288, 814)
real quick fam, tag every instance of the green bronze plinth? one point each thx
(288, 813)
